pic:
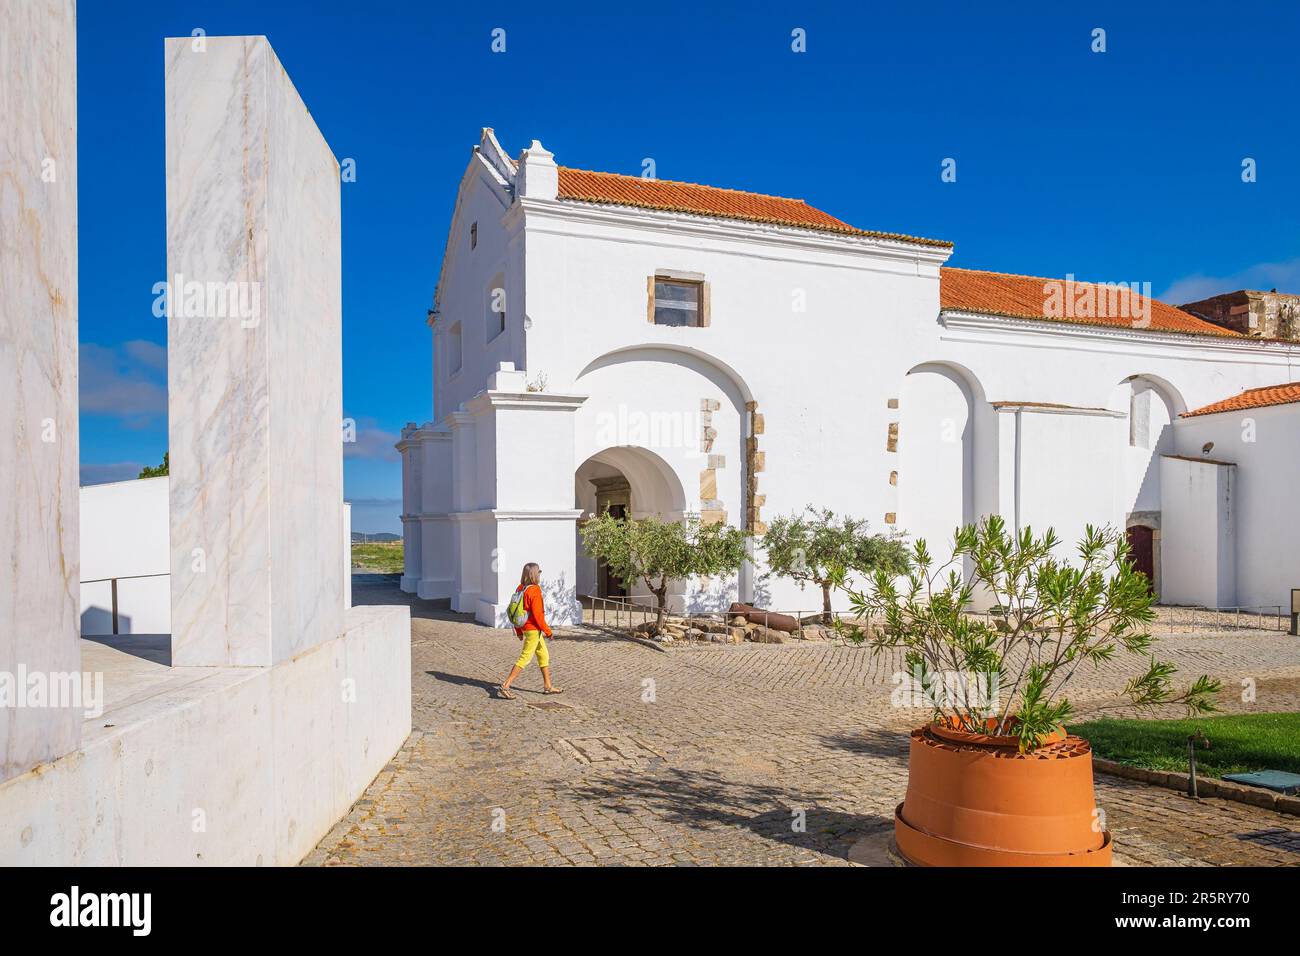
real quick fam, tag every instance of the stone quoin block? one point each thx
(708, 485)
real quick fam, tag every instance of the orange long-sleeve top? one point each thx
(536, 612)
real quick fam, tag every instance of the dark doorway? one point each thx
(1142, 553)
(611, 585)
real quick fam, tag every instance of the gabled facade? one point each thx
(669, 348)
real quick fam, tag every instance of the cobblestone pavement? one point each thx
(754, 754)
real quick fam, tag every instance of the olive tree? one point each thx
(656, 552)
(1048, 618)
(816, 547)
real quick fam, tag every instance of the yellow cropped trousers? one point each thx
(534, 643)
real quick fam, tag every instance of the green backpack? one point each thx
(516, 610)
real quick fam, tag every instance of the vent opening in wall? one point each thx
(496, 306)
(455, 354)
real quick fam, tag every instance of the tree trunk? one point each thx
(827, 616)
(661, 595)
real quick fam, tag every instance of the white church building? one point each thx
(662, 348)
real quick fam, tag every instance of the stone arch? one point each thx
(703, 361)
(628, 482)
(697, 415)
(653, 485)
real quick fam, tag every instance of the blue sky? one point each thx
(1118, 166)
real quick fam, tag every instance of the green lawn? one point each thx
(382, 557)
(1238, 742)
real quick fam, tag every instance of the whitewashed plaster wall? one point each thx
(475, 260)
(1264, 445)
(1078, 469)
(38, 369)
(800, 323)
(124, 535)
(821, 332)
(1198, 556)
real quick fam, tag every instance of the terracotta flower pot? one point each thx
(975, 800)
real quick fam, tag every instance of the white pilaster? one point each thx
(525, 465)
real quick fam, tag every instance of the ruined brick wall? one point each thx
(1268, 315)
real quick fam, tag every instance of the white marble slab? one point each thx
(38, 372)
(254, 360)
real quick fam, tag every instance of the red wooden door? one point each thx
(1142, 552)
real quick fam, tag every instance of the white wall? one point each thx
(1068, 466)
(468, 276)
(935, 458)
(124, 535)
(1199, 546)
(802, 323)
(821, 332)
(254, 401)
(38, 368)
(272, 756)
(1264, 443)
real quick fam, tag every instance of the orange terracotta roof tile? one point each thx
(583, 185)
(1031, 297)
(1253, 398)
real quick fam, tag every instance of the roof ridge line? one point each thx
(1022, 275)
(685, 182)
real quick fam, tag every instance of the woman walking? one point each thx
(528, 616)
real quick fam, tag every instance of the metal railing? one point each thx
(1173, 618)
(113, 588)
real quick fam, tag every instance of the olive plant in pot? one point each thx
(993, 778)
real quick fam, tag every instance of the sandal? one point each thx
(553, 690)
(505, 693)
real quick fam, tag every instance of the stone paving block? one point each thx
(710, 773)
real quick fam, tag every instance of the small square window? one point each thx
(678, 302)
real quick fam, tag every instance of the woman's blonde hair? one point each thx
(531, 574)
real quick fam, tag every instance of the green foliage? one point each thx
(1048, 617)
(383, 557)
(1239, 743)
(818, 548)
(151, 472)
(656, 552)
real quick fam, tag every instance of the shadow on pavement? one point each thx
(460, 681)
(1279, 837)
(705, 800)
(889, 744)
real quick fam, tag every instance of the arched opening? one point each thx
(1151, 406)
(942, 418)
(677, 424)
(627, 482)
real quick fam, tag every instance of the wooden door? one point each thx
(1141, 542)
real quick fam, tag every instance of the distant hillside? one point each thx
(361, 537)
